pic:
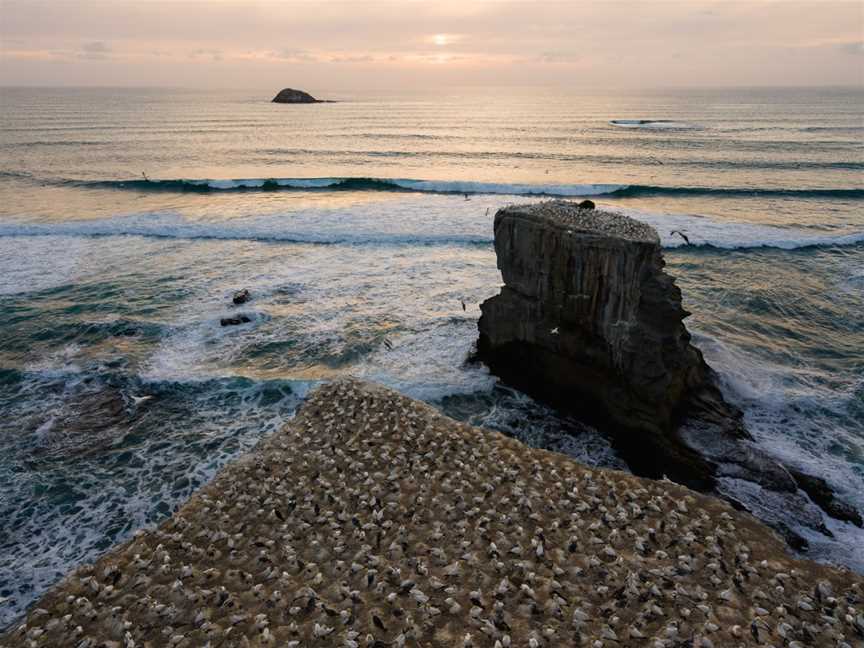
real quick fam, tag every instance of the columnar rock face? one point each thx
(588, 319)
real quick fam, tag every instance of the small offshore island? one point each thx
(292, 96)
(373, 520)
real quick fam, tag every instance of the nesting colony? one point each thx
(569, 216)
(372, 521)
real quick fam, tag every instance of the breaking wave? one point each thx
(358, 184)
(460, 187)
(206, 185)
(265, 229)
(447, 228)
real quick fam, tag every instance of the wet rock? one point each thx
(235, 321)
(241, 297)
(794, 540)
(292, 96)
(586, 204)
(589, 321)
(823, 495)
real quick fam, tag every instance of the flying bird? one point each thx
(681, 234)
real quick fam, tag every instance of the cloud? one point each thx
(95, 51)
(214, 55)
(852, 47)
(294, 55)
(840, 45)
(348, 43)
(362, 58)
(558, 57)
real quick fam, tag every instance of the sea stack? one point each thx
(589, 321)
(292, 96)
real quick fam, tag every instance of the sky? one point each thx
(345, 45)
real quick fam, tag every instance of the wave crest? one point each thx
(441, 228)
(357, 184)
(460, 187)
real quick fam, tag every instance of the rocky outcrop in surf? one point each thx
(241, 297)
(235, 321)
(292, 96)
(588, 321)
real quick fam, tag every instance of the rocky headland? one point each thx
(292, 96)
(589, 321)
(372, 520)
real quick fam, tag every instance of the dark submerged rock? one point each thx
(292, 96)
(589, 322)
(241, 296)
(235, 321)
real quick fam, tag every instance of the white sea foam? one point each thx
(321, 227)
(37, 263)
(731, 234)
(804, 424)
(854, 281)
(412, 220)
(106, 499)
(429, 364)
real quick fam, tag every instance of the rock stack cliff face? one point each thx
(588, 321)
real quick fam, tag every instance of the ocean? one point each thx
(128, 218)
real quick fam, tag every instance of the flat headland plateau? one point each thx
(373, 520)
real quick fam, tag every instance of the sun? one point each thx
(441, 39)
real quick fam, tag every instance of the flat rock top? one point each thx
(568, 215)
(373, 521)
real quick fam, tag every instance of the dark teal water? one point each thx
(360, 227)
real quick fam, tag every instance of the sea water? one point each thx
(129, 217)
